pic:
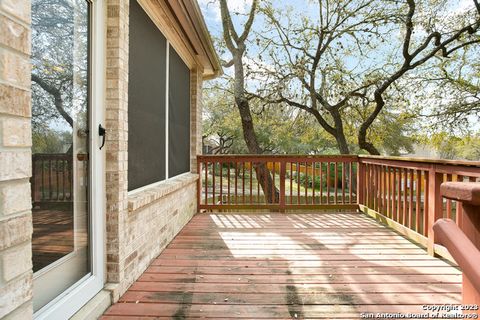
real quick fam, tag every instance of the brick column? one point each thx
(15, 161)
(117, 138)
(196, 81)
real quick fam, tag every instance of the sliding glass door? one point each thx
(62, 150)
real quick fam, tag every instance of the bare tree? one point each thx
(311, 59)
(236, 45)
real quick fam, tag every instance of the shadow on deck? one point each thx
(288, 266)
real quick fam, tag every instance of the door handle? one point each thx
(102, 132)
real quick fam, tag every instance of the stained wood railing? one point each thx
(463, 242)
(406, 193)
(316, 182)
(51, 178)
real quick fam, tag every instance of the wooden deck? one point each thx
(53, 233)
(288, 266)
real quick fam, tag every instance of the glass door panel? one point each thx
(60, 151)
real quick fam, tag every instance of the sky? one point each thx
(211, 12)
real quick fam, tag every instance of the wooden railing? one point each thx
(316, 182)
(463, 242)
(51, 178)
(406, 193)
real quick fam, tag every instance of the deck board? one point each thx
(294, 266)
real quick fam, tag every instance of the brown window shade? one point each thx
(178, 116)
(146, 100)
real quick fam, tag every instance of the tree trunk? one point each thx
(339, 132)
(265, 179)
(342, 143)
(236, 46)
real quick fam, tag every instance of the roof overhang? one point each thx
(210, 54)
(182, 23)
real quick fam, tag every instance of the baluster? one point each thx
(206, 181)
(385, 187)
(228, 183)
(283, 169)
(321, 182)
(458, 207)
(405, 193)
(306, 182)
(350, 179)
(449, 202)
(328, 182)
(418, 200)
(251, 183)
(298, 182)
(258, 184)
(64, 171)
(410, 205)
(399, 203)
(236, 182)
(336, 182)
(213, 183)
(221, 182)
(291, 182)
(435, 210)
(313, 181)
(243, 182)
(343, 182)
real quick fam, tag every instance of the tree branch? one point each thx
(57, 96)
(249, 23)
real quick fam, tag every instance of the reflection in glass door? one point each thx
(60, 151)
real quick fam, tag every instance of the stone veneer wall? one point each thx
(15, 161)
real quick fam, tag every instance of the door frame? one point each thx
(71, 300)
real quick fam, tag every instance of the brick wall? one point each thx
(140, 224)
(15, 161)
(196, 82)
(154, 218)
(116, 116)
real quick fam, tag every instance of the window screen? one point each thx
(146, 100)
(178, 116)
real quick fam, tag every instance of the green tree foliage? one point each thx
(449, 146)
(364, 76)
(280, 130)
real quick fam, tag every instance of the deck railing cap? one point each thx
(425, 160)
(468, 192)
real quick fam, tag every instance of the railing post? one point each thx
(468, 193)
(33, 181)
(435, 179)
(283, 170)
(361, 182)
(199, 184)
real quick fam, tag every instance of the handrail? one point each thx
(463, 241)
(465, 253)
(425, 160)
(286, 157)
(277, 182)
